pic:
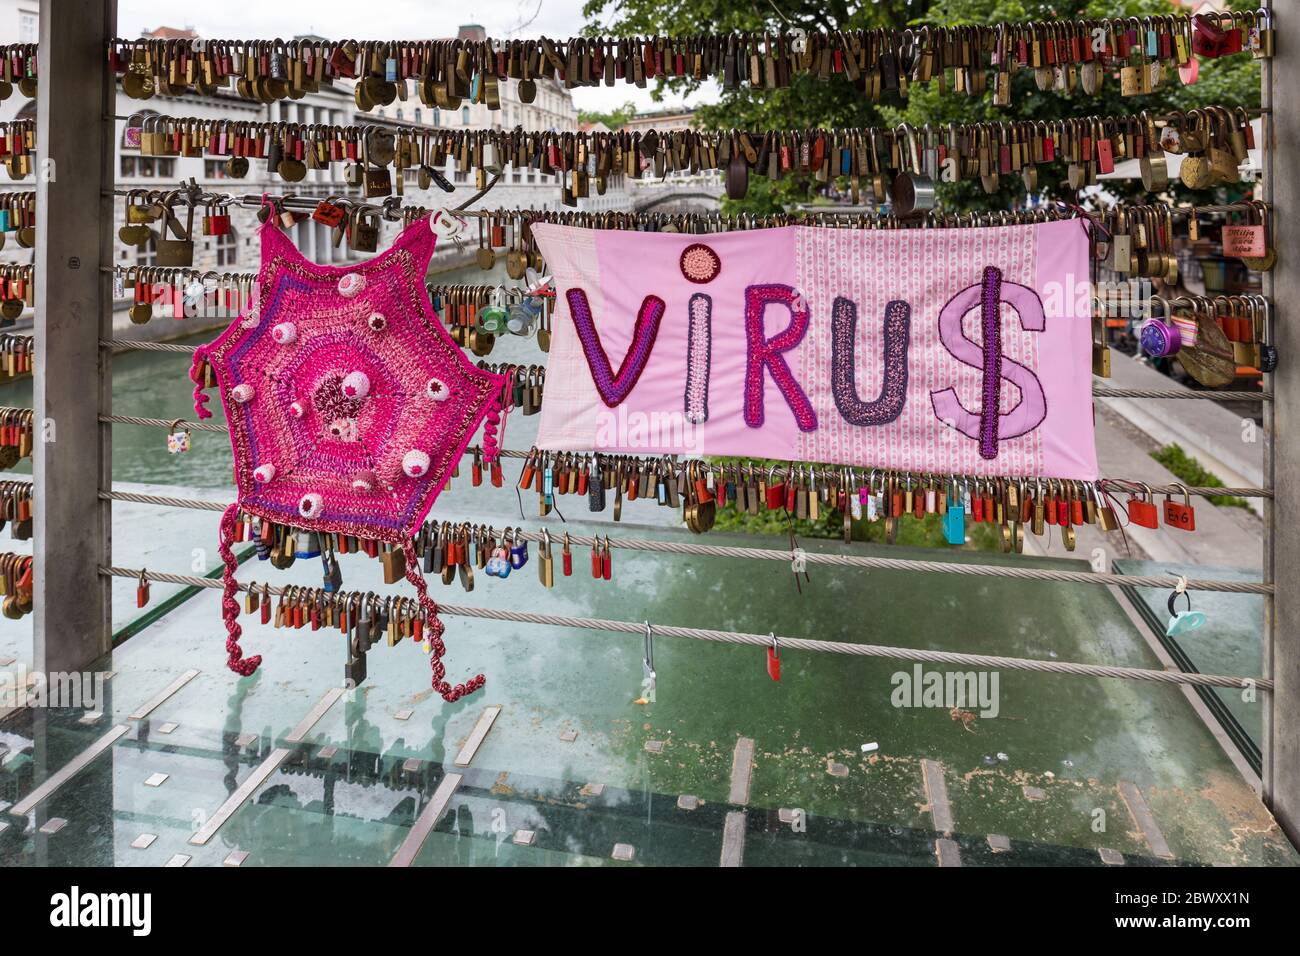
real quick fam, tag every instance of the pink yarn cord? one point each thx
(244, 666)
(491, 444)
(201, 397)
(433, 630)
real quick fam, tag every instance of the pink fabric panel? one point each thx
(925, 268)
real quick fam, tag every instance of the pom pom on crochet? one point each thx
(415, 463)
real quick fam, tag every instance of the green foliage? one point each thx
(925, 533)
(835, 103)
(1190, 472)
(612, 118)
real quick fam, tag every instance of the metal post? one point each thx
(1281, 776)
(72, 382)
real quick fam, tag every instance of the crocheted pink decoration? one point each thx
(340, 405)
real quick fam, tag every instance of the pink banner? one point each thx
(955, 351)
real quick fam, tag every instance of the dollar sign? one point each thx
(991, 424)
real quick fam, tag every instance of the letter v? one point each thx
(614, 387)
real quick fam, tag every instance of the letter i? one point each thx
(698, 349)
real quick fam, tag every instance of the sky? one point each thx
(386, 20)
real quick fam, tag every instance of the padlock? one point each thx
(545, 564)
(1180, 515)
(774, 659)
(365, 231)
(1142, 511)
(518, 552)
(1160, 336)
(178, 441)
(354, 670)
(142, 590)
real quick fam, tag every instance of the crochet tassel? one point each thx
(244, 666)
(201, 397)
(433, 629)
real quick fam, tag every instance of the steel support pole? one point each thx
(72, 381)
(1281, 776)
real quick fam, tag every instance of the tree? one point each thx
(810, 102)
(614, 118)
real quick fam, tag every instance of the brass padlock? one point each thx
(365, 230)
(177, 252)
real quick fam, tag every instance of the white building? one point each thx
(236, 251)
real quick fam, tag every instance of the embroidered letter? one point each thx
(991, 425)
(698, 347)
(767, 352)
(893, 389)
(614, 387)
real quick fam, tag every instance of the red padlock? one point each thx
(775, 493)
(1180, 515)
(774, 659)
(1142, 511)
(327, 213)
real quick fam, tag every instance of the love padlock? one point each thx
(774, 659)
(1180, 515)
(1142, 511)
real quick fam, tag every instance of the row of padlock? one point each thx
(179, 292)
(874, 157)
(1215, 142)
(15, 585)
(17, 291)
(16, 436)
(18, 69)
(525, 385)
(697, 223)
(16, 351)
(477, 315)
(18, 215)
(809, 492)
(18, 146)
(1212, 337)
(454, 551)
(1137, 240)
(878, 61)
(16, 508)
(451, 551)
(521, 251)
(1141, 509)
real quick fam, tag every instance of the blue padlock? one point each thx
(518, 554)
(954, 523)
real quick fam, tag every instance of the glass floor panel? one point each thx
(1056, 769)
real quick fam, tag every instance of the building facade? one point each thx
(237, 251)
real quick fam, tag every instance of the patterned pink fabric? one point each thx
(878, 348)
(347, 402)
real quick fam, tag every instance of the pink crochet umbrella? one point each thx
(348, 407)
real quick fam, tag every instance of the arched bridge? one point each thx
(677, 195)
